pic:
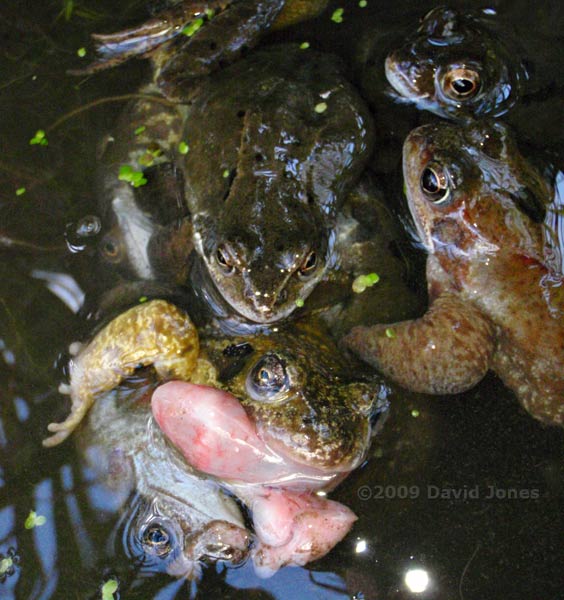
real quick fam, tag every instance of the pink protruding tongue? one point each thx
(215, 435)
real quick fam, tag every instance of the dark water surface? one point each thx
(468, 490)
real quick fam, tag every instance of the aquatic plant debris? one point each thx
(390, 333)
(225, 174)
(299, 302)
(415, 413)
(337, 16)
(20, 191)
(109, 588)
(364, 281)
(321, 107)
(8, 563)
(81, 52)
(363, 3)
(183, 148)
(39, 138)
(304, 45)
(143, 299)
(129, 174)
(34, 520)
(191, 28)
(140, 130)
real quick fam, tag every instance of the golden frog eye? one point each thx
(225, 259)
(268, 378)
(308, 265)
(435, 183)
(461, 83)
(156, 538)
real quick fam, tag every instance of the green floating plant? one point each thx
(364, 281)
(34, 520)
(337, 16)
(39, 138)
(109, 589)
(129, 174)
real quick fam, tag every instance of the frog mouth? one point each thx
(215, 435)
(400, 82)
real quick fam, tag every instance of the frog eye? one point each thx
(308, 265)
(268, 378)
(461, 83)
(435, 183)
(111, 249)
(157, 539)
(225, 259)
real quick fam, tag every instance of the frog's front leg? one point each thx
(446, 351)
(219, 41)
(156, 333)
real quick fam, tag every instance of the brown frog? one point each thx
(294, 384)
(478, 206)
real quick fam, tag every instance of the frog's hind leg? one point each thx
(141, 40)
(156, 333)
(446, 351)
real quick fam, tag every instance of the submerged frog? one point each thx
(478, 206)
(459, 64)
(179, 518)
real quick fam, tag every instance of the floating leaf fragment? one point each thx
(81, 52)
(225, 174)
(20, 191)
(304, 45)
(109, 588)
(390, 333)
(415, 413)
(143, 299)
(140, 130)
(320, 108)
(337, 16)
(192, 27)
(364, 281)
(34, 520)
(299, 302)
(183, 148)
(363, 3)
(39, 138)
(129, 174)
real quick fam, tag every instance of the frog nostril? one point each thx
(282, 297)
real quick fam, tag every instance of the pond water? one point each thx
(467, 491)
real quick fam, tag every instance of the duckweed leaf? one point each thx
(39, 138)
(191, 28)
(337, 16)
(34, 520)
(20, 191)
(109, 588)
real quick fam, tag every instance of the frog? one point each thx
(459, 64)
(287, 381)
(178, 520)
(194, 38)
(276, 142)
(494, 301)
(294, 420)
